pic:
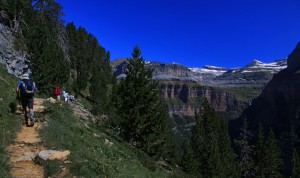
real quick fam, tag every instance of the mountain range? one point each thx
(229, 91)
(256, 72)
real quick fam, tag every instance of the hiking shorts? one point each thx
(27, 101)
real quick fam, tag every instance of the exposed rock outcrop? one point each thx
(14, 59)
(185, 98)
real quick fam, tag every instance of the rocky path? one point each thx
(25, 147)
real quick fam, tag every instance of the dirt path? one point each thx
(25, 147)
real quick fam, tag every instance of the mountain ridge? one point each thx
(278, 106)
(210, 75)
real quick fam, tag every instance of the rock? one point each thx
(107, 142)
(59, 155)
(13, 59)
(24, 158)
(27, 156)
(51, 100)
(53, 154)
(293, 61)
(45, 154)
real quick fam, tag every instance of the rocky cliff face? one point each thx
(14, 59)
(185, 98)
(278, 106)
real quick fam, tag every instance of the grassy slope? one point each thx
(90, 156)
(9, 123)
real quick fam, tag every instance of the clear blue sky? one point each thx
(227, 33)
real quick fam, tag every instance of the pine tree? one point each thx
(295, 164)
(273, 158)
(188, 163)
(211, 145)
(45, 52)
(267, 155)
(229, 160)
(142, 117)
(46, 58)
(246, 152)
(101, 78)
(259, 155)
(73, 44)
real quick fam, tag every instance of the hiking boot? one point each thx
(31, 123)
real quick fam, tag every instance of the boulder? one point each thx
(53, 154)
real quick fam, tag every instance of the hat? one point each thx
(25, 76)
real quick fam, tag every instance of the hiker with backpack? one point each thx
(57, 93)
(27, 88)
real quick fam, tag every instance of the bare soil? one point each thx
(25, 147)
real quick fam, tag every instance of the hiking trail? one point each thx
(26, 146)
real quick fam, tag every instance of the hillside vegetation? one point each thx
(9, 122)
(95, 150)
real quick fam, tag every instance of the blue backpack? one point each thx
(27, 87)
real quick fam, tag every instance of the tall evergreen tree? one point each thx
(211, 145)
(188, 162)
(295, 164)
(273, 158)
(101, 78)
(49, 64)
(267, 155)
(246, 152)
(259, 155)
(142, 117)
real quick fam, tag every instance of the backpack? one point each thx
(56, 90)
(27, 87)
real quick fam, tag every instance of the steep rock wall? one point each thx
(14, 59)
(186, 98)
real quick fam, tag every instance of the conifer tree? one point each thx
(273, 158)
(211, 145)
(49, 64)
(246, 151)
(142, 117)
(73, 44)
(267, 155)
(101, 78)
(188, 163)
(259, 155)
(295, 164)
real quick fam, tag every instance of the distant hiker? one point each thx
(57, 92)
(65, 95)
(71, 98)
(27, 88)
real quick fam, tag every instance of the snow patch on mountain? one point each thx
(214, 70)
(258, 66)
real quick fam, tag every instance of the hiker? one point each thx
(65, 95)
(71, 98)
(27, 88)
(57, 93)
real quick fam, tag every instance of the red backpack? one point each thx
(56, 90)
